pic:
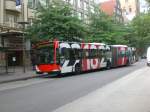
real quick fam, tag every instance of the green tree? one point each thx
(99, 25)
(142, 32)
(148, 1)
(104, 28)
(56, 21)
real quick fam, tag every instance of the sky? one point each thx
(99, 1)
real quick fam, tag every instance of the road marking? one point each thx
(24, 83)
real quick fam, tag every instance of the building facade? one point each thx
(81, 7)
(12, 42)
(113, 8)
(130, 9)
(144, 6)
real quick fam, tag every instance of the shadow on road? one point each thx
(83, 73)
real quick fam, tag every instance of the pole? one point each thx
(23, 23)
(23, 39)
(23, 43)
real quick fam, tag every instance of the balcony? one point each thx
(12, 25)
(11, 5)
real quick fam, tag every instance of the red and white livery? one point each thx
(56, 57)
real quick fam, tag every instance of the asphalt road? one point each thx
(48, 94)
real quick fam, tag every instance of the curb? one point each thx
(18, 79)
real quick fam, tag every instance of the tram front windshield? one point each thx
(45, 55)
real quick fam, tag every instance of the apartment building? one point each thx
(130, 9)
(113, 8)
(81, 7)
(12, 43)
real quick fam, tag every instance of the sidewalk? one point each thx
(128, 94)
(17, 73)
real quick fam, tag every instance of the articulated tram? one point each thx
(56, 57)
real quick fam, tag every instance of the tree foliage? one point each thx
(148, 1)
(56, 21)
(104, 28)
(142, 31)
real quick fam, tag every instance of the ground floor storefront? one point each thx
(14, 51)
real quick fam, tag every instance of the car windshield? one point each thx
(45, 55)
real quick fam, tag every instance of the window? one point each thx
(77, 53)
(124, 9)
(85, 17)
(92, 9)
(71, 2)
(122, 53)
(85, 6)
(101, 53)
(2, 59)
(80, 15)
(93, 53)
(85, 53)
(11, 18)
(79, 3)
(31, 3)
(0, 42)
(30, 20)
(7, 18)
(130, 9)
(64, 53)
(45, 55)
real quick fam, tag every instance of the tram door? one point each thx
(114, 56)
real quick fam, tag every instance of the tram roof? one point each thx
(97, 43)
(119, 45)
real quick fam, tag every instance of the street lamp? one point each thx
(23, 23)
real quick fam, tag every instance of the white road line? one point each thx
(19, 84)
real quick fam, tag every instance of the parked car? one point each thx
(148, 56)
(143, 57)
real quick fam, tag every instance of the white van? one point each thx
(148, 56)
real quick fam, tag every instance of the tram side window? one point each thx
(57, 56)
(64, 53)
(71, 54)
(77, 53)
(126, 53)
(85, 53)
(108, 54)
(101, 53)
(122, 54)
(104, 54)
(93, 53)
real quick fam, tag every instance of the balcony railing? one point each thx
(11, 5)
(12, 25)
